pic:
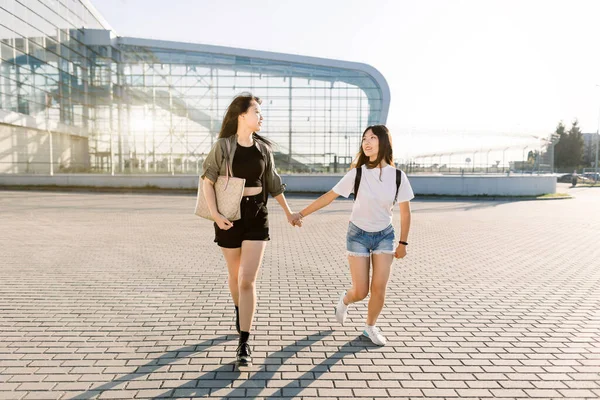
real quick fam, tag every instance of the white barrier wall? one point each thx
(517, 185)
(89, 180)
(489, 185)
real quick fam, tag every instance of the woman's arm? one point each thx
(405, 217)
(319, 203)
(208, 189)
(286, 209)
(211, 167)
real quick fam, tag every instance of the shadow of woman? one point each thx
(165, 359)
(258, 381)
(209, 382)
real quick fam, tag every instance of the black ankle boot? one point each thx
(237, 319)
(243, 354)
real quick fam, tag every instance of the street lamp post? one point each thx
(597, 140)
(550, 146)
(553, 141)
(596, 165)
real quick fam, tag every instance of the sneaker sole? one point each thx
(335, 312)
(365, 334)
(342, 322)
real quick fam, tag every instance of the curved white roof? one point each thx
(327, 69)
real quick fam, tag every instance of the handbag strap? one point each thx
(228, 170)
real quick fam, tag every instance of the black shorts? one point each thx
(254, 224)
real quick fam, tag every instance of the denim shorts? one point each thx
(361, 243)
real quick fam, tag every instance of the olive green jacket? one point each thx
(214, 165)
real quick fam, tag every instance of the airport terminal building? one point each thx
(76, 97)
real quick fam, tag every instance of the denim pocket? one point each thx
(389, 231)
(353, 229)
(259, 208)
(262, 209)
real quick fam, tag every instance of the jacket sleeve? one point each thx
(274, 182)
(212, 163)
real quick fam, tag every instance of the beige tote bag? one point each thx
(228, 190)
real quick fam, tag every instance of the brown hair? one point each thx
(240, 105)
(385, 148)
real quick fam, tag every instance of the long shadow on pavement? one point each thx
(259, 381)
(157, 363)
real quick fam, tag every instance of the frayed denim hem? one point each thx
(352, 254)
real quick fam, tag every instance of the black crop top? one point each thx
(248, 163)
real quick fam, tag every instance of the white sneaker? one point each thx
(373, 333)
(341, 310)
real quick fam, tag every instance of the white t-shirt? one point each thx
(373, 208)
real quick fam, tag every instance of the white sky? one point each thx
(463, 74)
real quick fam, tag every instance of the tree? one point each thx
(561, 147)
(589, 153)
(576, 143)
(569, 148)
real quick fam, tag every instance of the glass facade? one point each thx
(145, 106)
(44, 64)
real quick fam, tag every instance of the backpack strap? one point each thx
(398, 182)
(359, 174)
(357, 181)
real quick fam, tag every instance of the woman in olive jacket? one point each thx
(243, 241)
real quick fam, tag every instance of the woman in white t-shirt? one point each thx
(370, 235)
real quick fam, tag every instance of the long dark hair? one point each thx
(385, 148)
(240, 105)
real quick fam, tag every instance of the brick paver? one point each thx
(125, 296)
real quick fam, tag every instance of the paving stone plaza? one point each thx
(125, 296)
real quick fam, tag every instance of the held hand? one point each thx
(295, 219)
(223, 222)
(298, 220)
(400, 251)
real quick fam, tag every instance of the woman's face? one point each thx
(370, 144)
(253, 117)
